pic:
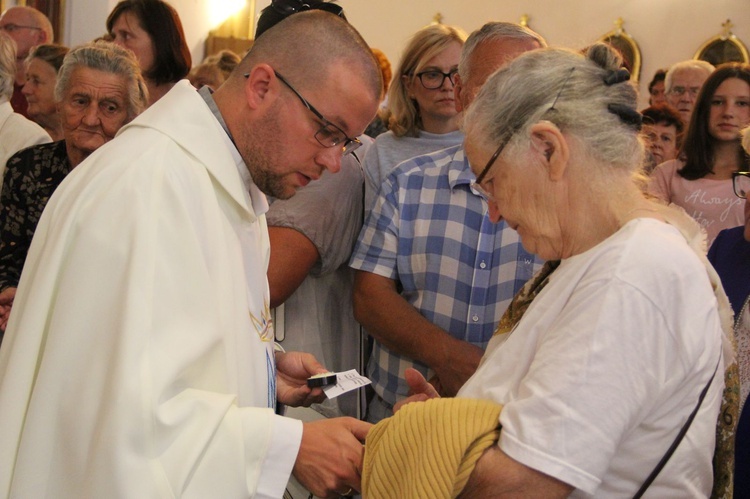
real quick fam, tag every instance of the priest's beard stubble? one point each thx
(263, 143)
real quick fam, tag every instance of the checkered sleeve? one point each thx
(377, 246)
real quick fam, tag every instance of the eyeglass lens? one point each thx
(10, 27)
(681, 90)
(435, 79)
(741, 184)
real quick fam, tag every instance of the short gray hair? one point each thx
(583, 95)
(109, 58)
(493, 30)
(7, 65)
(690, 64)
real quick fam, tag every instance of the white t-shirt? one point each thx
(606, 365)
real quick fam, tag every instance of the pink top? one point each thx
(711, 203)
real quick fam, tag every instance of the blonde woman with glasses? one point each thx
(420, 113)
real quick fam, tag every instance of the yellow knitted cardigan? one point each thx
(428, 449)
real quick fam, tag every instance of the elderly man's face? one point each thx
(685, 87)
(23, 28)
(281, 151)
(93, 109)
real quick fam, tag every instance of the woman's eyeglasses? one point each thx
(434, 79)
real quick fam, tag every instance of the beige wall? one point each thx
(666, 30)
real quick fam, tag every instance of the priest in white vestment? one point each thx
(139, 358)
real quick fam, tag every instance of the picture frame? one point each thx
(724, 47)
(627, 46)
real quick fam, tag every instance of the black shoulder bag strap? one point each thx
(677, 439)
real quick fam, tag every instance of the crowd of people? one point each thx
(548, 288)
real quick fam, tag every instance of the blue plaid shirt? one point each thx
(431, 233)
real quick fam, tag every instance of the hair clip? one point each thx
(613, 77)
(627, 115)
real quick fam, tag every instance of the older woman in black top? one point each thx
(99, 89)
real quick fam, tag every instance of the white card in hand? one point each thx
(345, 382)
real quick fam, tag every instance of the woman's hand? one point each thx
(420, 388)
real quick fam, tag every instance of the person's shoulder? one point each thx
(667, 169)
(20, 124)
(431, 163)
(386, 139)
(39, 151)
(727, 239)
(656, 249)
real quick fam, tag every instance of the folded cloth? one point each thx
(428, 449)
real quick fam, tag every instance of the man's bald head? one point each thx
(488, 49)
(28, 27)
(304, 46)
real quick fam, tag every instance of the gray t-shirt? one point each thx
(318, 317)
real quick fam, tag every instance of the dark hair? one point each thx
(281, 9)
(698, 146)
(666, 115)
(50, 53)
(660, 75)
(161, 22)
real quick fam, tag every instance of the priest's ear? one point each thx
(262, 86)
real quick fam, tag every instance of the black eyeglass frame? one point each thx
(328, 130)
(738, 192)
(507, 138)
(11, 27)
(450, 75)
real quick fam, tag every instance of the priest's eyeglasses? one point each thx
(329, 135)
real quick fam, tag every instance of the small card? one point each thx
(346, 382)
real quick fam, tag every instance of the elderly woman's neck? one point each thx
(75, 155)
(598, 209)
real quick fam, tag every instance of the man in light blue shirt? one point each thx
(434, 274)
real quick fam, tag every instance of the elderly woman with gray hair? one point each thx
(603, 357)
(99, 89)
(16, 132)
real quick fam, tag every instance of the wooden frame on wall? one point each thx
(724, 47)
(627, 46)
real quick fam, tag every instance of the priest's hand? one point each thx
(329, 462)
(292, 371)
(6, 303)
